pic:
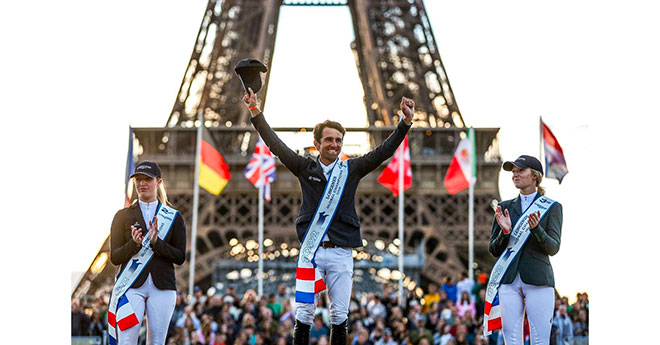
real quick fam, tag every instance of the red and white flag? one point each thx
(390, 176)
(267, 167)
(463, 167)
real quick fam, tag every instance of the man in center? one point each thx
(327, 224)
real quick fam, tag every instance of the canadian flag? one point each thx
(462, 170)
(390, 176)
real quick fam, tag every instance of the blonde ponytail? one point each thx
(539, 178)
(161, 193)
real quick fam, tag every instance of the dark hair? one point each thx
(318, 129)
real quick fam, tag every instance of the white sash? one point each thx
(134, 267)
(308, 278)
(519, 236)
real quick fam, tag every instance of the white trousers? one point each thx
(159, 305)
(336, 267)
(537, 301)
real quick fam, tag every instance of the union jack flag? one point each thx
(251, 171)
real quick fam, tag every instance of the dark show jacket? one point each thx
(167, 252)
(344, 231)
(532, 261)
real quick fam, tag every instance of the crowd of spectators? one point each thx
(450, 314)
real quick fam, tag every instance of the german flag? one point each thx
(213, 170)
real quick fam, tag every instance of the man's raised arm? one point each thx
(289, 158)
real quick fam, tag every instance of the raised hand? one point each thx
(408, 109)
(136, 234)
(533, 219)
(503, 219)
(153, 230)
(250, 100)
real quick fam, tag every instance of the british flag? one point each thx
(261, 153)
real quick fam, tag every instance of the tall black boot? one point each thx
(301, 333)
(338, 333)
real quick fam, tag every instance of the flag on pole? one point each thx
(130, 167)
(463, 167)
(213, 170)
(267, 167)
(555, 163)
(390, 176)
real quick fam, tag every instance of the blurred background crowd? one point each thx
(450, 314)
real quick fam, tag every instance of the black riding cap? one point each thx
(248, 72)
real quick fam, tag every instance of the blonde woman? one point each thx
(527, 285)
(146, 240)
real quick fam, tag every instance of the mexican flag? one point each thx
(463, 168)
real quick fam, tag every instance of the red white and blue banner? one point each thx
(555, 163)
(519, 235)
(264, 158)
(308, 278)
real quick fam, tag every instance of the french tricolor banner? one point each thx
(308, 278)
(493, 314)
(124, 319)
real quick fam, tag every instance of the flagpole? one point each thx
(471, 207)
(401, 243)
(471, 232)
(260, 270)
(193, 236)
(540, 136)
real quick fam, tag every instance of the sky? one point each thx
(76, 74)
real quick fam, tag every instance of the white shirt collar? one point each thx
(327, 168)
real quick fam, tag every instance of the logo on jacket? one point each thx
(134, 265)
(322, 217)
(313, 178)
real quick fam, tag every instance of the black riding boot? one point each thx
(301, 333)
(338, 333)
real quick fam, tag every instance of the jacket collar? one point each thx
(515, 211)
(318, 169)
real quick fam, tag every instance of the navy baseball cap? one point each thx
(248, 72)
(148, 168)
(523, 162)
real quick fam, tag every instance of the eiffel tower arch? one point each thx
(396, 55)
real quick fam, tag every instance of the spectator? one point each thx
(96, 326)
(465, 305)
(79, 320)
(188, 314)
(465, 285)
(420, 330)
(386, 339)
(450, 289)
(481, 282)
(480, 304)
(376, 308)
(564, 325)
(581, 325)
(431, 297)
(363, 337)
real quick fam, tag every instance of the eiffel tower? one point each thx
(396, 55)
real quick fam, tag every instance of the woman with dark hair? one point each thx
(465, 305)
(526, 230)
(146, 240)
